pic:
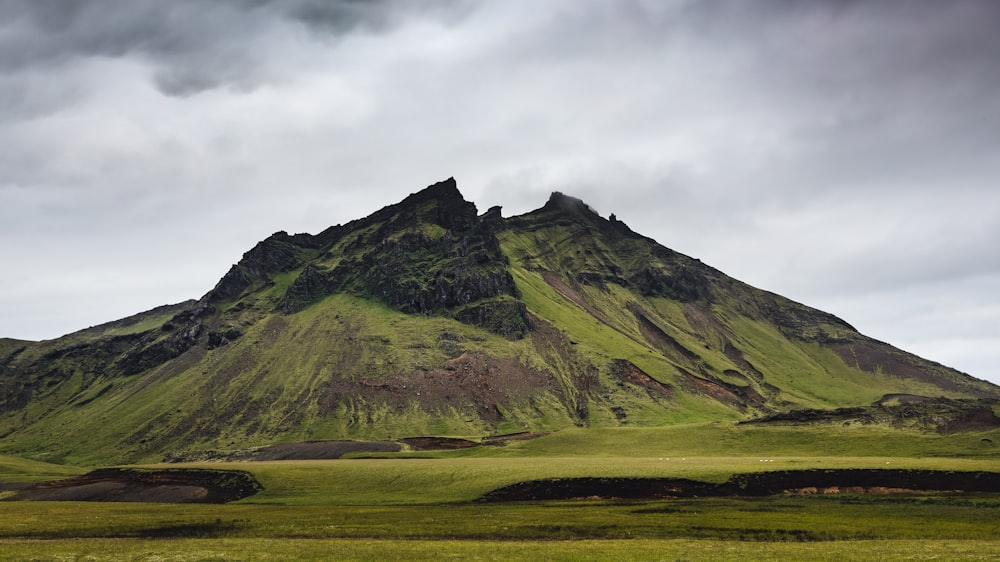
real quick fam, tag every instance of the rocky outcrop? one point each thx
(682, 283)
(505, 317)
(457, 271)
(182, 332)
(418, 274)
(944, 415)
(279, 252)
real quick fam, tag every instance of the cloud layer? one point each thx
(841, 153)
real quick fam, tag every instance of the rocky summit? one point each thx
(429, 318)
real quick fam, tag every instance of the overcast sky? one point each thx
(845, 154)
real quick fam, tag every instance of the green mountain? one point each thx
(428, 319)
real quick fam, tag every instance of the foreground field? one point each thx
(802, 528)
(422, 506)
(354, 549)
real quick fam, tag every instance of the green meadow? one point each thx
(422, 505)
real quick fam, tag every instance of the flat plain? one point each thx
(423, 505)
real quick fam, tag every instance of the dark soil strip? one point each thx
(322, 450)
(752, 484)
(138, 485)
(502, 440)
(437, 443)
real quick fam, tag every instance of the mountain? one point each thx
(430, 319)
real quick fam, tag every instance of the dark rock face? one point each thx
(456, 274)
(222, 337)
(310, 286)
(181, 333)
(277, 253)
(685, 284)
(506, 317)
(944, 415)
(418, 274)
(605, 251)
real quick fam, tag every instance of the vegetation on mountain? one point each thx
(429, 319)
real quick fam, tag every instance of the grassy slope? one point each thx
(17, 469)
(263, 385)
(807, 374)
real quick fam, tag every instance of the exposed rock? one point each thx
(505, 317)
(141, 485)
(222, 337)
(685, 284)
(182, 332)
(310, 286)
(628, 373)
(453, 274)
(277, 253)
(944, 415)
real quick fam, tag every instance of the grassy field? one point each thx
(822, 528)
(423, 508)
(366, 549)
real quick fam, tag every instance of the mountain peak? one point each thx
(560, 204)
(559, 201)
(442, 191)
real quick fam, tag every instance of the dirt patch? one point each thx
(322, 450)
(722, 391)
(138, 485)
(472, 383)
(627, 372)
(437, 443)
(13, 486)
(600, 488)
(851, 481)
(502, 440)
(317, 450)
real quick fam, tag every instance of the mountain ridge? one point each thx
(428, 318)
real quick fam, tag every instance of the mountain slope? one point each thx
(426, 318)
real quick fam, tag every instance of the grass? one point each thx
(435, 549)
(816, 528)
(777, 519)
(17, 469)
(424, 508)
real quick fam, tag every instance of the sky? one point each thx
(845, 154)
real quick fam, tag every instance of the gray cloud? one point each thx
(193, 45)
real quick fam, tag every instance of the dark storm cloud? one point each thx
(194, 45)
